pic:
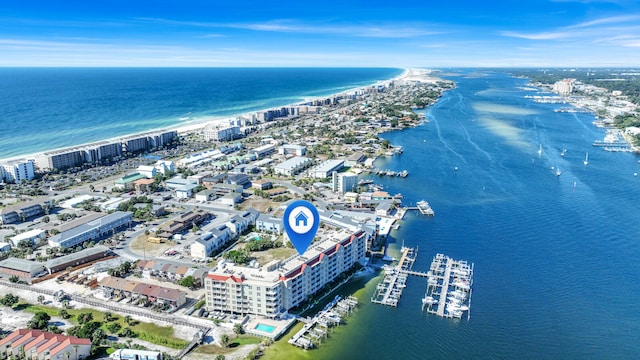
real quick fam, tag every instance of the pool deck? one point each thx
(280, 327)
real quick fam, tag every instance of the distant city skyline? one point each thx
(581, 33)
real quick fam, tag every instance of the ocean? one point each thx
(556, 258)
(47, 108)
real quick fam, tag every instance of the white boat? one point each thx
(429, 300)
(558, 172)
(564, 152)
(424, 208)
(586, 159)
(540, 150)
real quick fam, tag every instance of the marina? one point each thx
(449, 288)
(317, 329)
(389, 290)
(613, 141)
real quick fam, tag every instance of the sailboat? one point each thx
(564, 152)
(558, 172)
(586, 159)
(540, 150)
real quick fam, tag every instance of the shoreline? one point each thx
(408, 74)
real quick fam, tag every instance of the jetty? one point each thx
(387, 172)
(424, 208)
(389, 290)
(449, 288)
(315, 330)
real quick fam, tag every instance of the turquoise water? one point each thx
(46, 108)
(555, 257)
(265, 328)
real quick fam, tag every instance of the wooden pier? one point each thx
(448, 284)
(389, 290)
(448, 287)
(423, 207)
(317, 329)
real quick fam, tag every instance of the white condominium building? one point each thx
(275, 288)
(564, 86)
(15, 171)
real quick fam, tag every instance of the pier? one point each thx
(424, 208)
(386, 172)
(448, 284)
(448, 287)
(317, 329)
(389, 290)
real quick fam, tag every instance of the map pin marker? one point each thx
(301, 220)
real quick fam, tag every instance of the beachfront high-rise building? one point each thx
(60, 160)
(564, 86)
(16, 171)
(278, 286)
(78, 155)
(95, 153)
(220, 132)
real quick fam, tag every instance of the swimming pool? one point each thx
(265, 328)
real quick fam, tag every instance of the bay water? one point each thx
(556, 257)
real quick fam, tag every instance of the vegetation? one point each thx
(9, 300)
(629, 86)
(261, 244)
(122, 270)
(144, 331)
(188, 281)
(238, 256)
(40, 321)
(141, 213)
(199, 304)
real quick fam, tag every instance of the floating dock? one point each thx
(424, 208)
(317, 329)
(448, 287)
(389, 290)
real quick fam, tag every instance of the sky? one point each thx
(283, 33)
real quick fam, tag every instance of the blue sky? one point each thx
(472, 33)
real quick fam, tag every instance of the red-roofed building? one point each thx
(41, 345)
(116, 287)
(277, 287)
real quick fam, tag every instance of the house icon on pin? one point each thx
(301, 218)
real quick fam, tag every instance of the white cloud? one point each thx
(378, 30)
(539, 36)
(608, 20)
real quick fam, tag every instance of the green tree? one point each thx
(63, 313)
(113, 327)
(84, 318)
(39, 321)
(238, 329)
(224, 340)
(40, 299)
(127, 332)
(188, 281)
(9, 300)
(108, 316)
